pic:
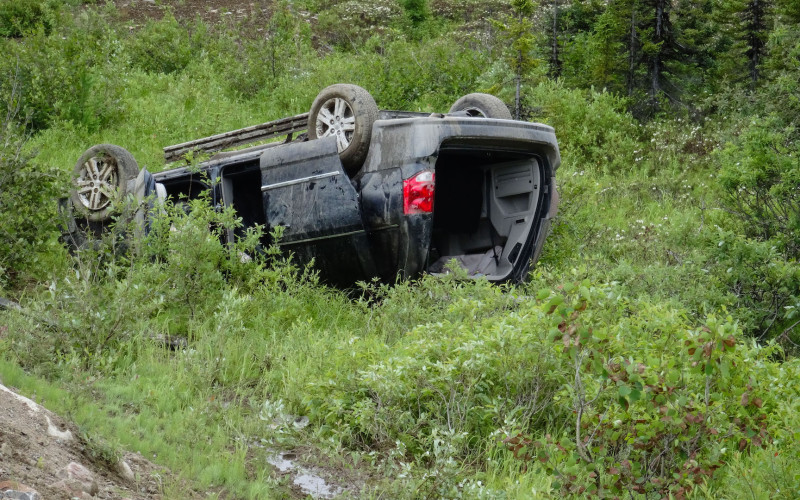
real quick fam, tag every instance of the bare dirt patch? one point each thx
(36, 446)
(212, 12)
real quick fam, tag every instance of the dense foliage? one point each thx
(652, 353)
(29, 221)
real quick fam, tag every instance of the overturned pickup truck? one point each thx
(365, 193)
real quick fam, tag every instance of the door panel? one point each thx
(306, 190)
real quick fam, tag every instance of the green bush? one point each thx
(772, 471)
(447, 378)
(416, 11)
(760, 172)
(73, 75)
(20, 17)
(164, 46)
(350, 23)
(762, 283)
(595, 132)
(603, 392)
(760, 175)
(28, 195)
(181, 269)
(261, 62)
(646, 421)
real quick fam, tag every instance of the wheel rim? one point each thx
(336, 118)
(97, 182)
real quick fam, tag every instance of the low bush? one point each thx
(121, 283)
(350, 23)
(73, 75)
(28, 193)
(760, 175)
(21, 17)
(643, 420)
(279, 52)
(605, 393)
(594, 130)
(760, 172)
(465, 370)
(164, 46)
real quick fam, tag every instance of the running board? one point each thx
(255, 133)
(247, 135)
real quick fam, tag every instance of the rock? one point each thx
(125, 471)
(54, 431)
(18, 491)
(5, 450)
(33, 407)
(9, 304)
(300, 422)
(75, 480)
(70, 490)
(20, 495)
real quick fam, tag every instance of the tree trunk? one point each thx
(656, 62)
(632, 52)
(555, 63)
(756, 44)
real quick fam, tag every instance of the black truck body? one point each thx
(431, 188)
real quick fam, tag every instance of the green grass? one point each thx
(413, 387)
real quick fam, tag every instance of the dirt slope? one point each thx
(36, 446)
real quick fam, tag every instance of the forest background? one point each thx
(652, 352)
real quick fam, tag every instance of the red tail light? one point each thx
(418, 193)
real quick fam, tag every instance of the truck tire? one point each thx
(99, 180)
(482, 105)
(346, 112)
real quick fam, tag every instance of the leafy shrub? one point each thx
(165, 46)
(406, 76)
(71, 75)
(771, 472)
(28, 194)
(19, 17)
(350, 23)
(594, 130)
(760, 175)
(416, 11)
(605, 393)
(760, 172)
(644, 421)
(762, 282)
(182, 267)
(261, 62)
(449, 383)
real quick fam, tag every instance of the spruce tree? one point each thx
(517, 30)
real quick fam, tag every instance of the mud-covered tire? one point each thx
(348, 113)
(482, 105)
(77, 232)
(99, 181)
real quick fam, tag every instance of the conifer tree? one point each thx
(517, 29)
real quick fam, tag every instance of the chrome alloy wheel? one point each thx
(98, 183)
(336, 118)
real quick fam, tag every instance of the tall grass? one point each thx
(424, 385)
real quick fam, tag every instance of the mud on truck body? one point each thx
(365, 193)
